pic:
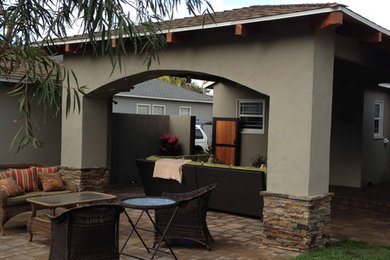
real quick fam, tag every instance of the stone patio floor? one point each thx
(236, 237)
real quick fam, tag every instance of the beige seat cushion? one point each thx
(21, 199)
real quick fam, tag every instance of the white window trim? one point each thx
(140, 104)
(251, 130)
(180, 114)
(163, 106)
(381, 104)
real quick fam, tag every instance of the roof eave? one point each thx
(261, 19)
(365, 21)
(225, 24)
(164, 98)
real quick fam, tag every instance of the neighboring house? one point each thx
(156, 97)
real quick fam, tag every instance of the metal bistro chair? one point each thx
(189, 222)
(87, 232)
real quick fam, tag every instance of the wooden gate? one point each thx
(226, 140)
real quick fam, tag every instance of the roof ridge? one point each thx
(334, 4)
(330, 4)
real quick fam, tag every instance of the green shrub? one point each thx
(258, 160)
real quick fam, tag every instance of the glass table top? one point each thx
(71, 198)
(148, 202)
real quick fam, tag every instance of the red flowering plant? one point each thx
(169, 145)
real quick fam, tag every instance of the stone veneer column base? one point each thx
(87, 179)
(296, 223)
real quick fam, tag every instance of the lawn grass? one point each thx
(349, 249)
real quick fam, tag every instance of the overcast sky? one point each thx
(377, 11)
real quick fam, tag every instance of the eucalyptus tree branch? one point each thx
(28, 31)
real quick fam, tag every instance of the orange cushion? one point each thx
(51, 169)
(11, 189)
(51, 182)
(7, 174)
(27, 179)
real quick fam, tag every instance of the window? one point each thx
(251, 114)
(184, 111)
(378, 119)
(158, 110)
(198, 134)
(143, 109)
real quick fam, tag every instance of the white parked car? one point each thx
(201, 142)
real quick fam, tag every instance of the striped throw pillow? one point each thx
(51, 169)
(27, 179)
(7, 174)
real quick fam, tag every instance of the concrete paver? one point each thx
(236, 237)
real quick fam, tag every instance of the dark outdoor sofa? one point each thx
(238, 191)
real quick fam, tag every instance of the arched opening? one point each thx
(136, 121)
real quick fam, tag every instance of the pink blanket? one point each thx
(169, 169)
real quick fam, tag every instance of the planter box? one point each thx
(238, 191)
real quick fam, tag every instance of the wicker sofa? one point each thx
(238, 191)
(10, 207)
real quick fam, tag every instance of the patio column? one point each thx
(84, 143)
(296, 212)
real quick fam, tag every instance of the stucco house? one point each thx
(319, 113)
(156, 97)
(48, 132)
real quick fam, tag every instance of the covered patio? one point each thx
(236, 237)
(308, 60)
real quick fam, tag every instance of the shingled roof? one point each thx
(251, 12)
(156, 88)
(241, 14)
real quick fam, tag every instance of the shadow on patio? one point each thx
(236, 237)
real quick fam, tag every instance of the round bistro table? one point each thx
(145, 204)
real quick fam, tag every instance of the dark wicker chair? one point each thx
(88, 232)
(190, 220)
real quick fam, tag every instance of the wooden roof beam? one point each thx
(385, 44)
(361, 32)
(245, 30)
(327, 21)
(371, 37)
(178, 37)
(71, 48)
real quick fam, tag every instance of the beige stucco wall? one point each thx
(225, 105)
(180, 126)
(375, 153)
(84, 138)
(291, 64)
(47, 129)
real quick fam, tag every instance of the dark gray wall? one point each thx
(376, 153)
(134, 136)
(346, 135)
(48, 131)
(357, 159)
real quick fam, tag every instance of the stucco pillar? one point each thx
(297, 202)
(84, 143)
(84, 135)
